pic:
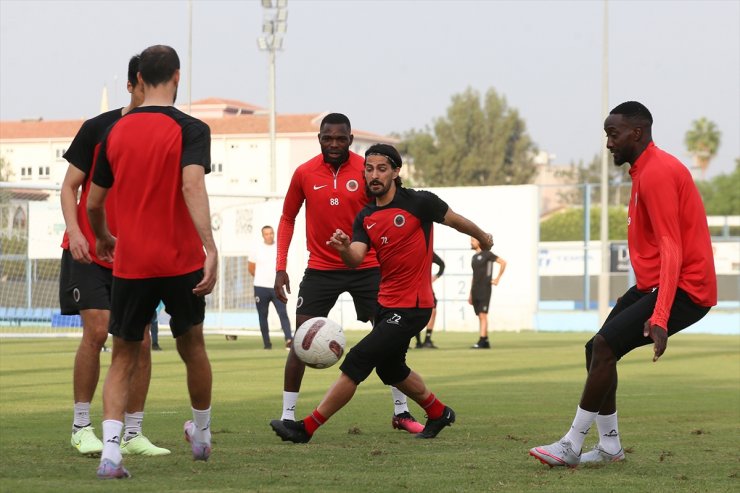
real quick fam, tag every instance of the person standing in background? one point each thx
(261, 266)
(428, 344)
(480, 288)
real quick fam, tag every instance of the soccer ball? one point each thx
(319, 342)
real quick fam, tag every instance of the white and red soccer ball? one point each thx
(319, 342)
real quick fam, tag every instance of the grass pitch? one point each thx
(679, 421)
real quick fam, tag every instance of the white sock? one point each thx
(202, 421)
(608, 432)
(133, 424)
(112, 440)
(290, 399)
(82, 415)
(400, 404)
(579, 429)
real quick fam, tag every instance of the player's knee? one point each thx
(601, 350)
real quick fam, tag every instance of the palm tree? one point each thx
(702, 140)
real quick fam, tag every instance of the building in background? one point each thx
(240, 146)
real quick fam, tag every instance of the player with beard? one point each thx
(330, 185)
(398, 226)
(671, 254)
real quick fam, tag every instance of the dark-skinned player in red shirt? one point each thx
(671, 254)
(398, 225)
(331, 185)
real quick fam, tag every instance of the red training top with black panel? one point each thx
(142, 157)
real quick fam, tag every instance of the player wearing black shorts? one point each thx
(154, 161)
(480, 288)
(331, 185)
(398, 225)
(672, 257)
(85, 289)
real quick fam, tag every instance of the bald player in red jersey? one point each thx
(332, 186)
(156, 158)
(671, 254)
(84, 288)
(399, 226)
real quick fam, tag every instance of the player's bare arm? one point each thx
(105, 242)
(501, 268)
(78, 245)
(352, 253)
(196, 198)
(468, 227)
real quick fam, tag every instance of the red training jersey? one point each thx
(333, 199)
(667, 233)
(81, 154)
(142, 156)
(401, 233)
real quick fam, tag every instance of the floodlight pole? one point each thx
(604, 230)
(273, 26)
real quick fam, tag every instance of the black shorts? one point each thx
(135, 300)
(320, 289)
(83, 286)
(623, 328)
(384, 348)
(481, 300)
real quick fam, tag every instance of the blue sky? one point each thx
(394, 65)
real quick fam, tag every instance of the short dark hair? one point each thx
(266, 227)
(335, 119)
(633, 110)
(158, 64)
(133, 69)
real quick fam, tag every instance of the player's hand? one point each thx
(210, 274)
(282, 284)
(104, 248)
(434, 278)
(339, 240)
(494, 282)
(470, 299)
(79, 248)
(487, 242)
(659, 335)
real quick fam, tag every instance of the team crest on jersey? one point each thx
(76, 295)
(399, 220)
(299, 302)
(352, 185)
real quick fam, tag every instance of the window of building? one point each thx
(217, 168)
(44, 171)
(60, 154)
(26, 172)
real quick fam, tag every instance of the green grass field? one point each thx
(679, 421)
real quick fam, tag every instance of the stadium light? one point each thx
(274, 26)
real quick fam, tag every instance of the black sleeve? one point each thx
(103, 174)
(358, 228)
(81, 150)
(440, 263)
(432, 208)
(491, 256)
(196, 145)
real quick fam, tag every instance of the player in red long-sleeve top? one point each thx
(332, 186)
(671, 254)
